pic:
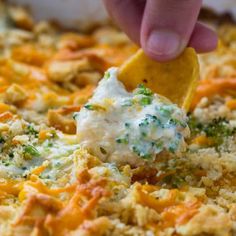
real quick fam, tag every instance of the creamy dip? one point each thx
(123, 127)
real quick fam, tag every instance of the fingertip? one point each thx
(203, 39)
(164, 36)
(163, 45)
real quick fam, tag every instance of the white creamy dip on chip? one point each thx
(123, 127)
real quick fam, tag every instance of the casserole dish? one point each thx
(51, 185)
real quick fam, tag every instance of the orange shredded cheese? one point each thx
(4, 107)
(157, 204)
(210, 87)
(11, 187)
(38, 170)
(45, 134)
(36, 186)
(6, 116)
(203, 140)
(231, 104)
(29, 54)
(179, 214)
(74, 212)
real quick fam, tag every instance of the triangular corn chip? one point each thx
(176, 80)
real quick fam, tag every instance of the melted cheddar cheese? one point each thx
(50, 184)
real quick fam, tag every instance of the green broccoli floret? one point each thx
(218, 129)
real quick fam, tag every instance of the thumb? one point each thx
(167, 27)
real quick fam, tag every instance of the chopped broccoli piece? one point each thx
(31, 130)
(143, 90)
(31, 150)
(107, 75)
(145, 101)
(123, 140)
(94, 107)
(75, 115)
(217, 129)
(2, 140)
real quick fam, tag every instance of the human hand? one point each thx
(163, 28)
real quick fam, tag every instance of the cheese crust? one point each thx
(50, 184)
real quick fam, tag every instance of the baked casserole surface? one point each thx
(49, 185)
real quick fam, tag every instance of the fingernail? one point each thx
(164, 43)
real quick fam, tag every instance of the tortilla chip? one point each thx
(176, 80)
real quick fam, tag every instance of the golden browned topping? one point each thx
(49, 185)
